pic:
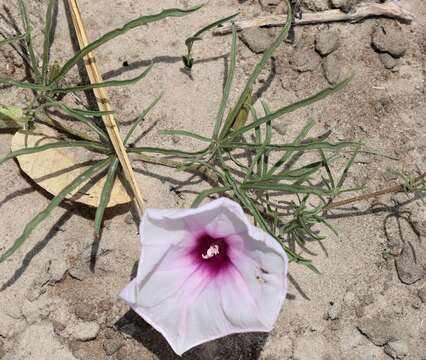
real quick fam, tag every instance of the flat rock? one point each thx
(80, 271)
(256, 39)
(315, 5)
(305, 59)
(331, 69)
(379, 331)
(390, 39)
(344, 5)
(396, 349)
(327, 41)
(85, 311)
(388, 61)
(111, 346)
(38, 342)
(85, 331)
(409, 264)
(422, 294)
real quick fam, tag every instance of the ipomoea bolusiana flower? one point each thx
(205, 273)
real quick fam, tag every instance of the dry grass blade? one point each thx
(104, 105)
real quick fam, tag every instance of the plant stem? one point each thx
(392, 189)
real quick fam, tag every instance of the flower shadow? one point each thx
(237, 346)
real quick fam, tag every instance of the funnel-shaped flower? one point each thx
(205, 273)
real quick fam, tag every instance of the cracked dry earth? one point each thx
(369, 302)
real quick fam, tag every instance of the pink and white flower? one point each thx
(205, 273)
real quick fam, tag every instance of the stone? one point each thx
(331, 68)
(111, 346)
(305, 59)
(388, 61)
(334, 311)
(85, 331)
(379, 331)
(256, 39)
(326, 42)
(389, 39)
(2, 350)
(344, 5)
(39, 342)
(408, 265)
(85, 311)
(315, 5)
(422, 294)
(312, 347)
(396, 349)
(57, 269)
(79, 272)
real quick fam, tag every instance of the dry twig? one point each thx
(104, 105)
(363, 11)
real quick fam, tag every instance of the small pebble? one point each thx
(331, 69)
(388, 61)
(390, 39)
(326, 42)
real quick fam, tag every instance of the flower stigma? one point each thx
(213, 250)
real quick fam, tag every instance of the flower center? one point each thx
(212, 251)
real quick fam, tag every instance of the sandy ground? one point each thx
(368, 302)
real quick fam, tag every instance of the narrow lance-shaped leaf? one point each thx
(28, 39)
(22, 84)
(250, 83)
(296, 141)
(141, 118)
(140, 21)
(77, 115)
(12, 39)
(293, 107)
(40, 217)
(187, 59)
(206, 193)
(228, 84)
(186, 134)
(104, 84)
(47, 38)
(60, 144)
(105, 194)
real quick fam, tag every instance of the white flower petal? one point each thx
(191, 298)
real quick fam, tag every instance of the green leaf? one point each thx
(28, 39)
(77, 115)
(293, 107)
(214, 190)
(40, 217)
(251, 81)
(12, 39)
(228, 84)
(140, 21)
(11, 117)
(60, 144)
(185, 133)
(22, 84)
(297, 141)
(187, 59)
(189, 41)
(105, 194)
(168, 152)
(141, 117)
(104, 84)
(47, 39)
(287, 188)
(314, 145)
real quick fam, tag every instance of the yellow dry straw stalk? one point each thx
(104, 105)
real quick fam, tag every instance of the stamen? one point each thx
(212, 251)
